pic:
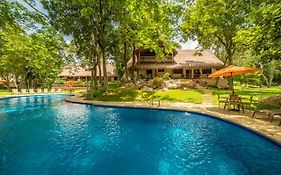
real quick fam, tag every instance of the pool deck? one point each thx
(265, 128)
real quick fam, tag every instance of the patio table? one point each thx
(234, 103)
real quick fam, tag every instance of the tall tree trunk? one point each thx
(7, 83)
(230, 62)
(125, 61)
(17, 84)
(268, 78)
(105, 81)
(217, 82)
(99, 67)
(95, 77)
(92, 83)
(133, 65)
(87, 88)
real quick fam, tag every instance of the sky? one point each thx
(190, 44)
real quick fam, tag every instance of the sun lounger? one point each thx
(35, 91)
(31, 91)
(23, 91)
(53, 90)
(269, 113)
(39, 91)
(27, 91)
(15, 91)
(45, 90)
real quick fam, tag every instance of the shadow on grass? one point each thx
(257, 94)
(134, 94)
(122, 94)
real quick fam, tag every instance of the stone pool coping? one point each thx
(262, 128)
(26, 95)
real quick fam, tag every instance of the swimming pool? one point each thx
(45, 135)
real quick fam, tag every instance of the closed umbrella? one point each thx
(231, 71)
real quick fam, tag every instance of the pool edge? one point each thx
(256, 132)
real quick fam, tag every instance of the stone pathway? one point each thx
(207, 97)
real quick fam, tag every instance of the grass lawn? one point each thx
(4, 92)
(247, 92)
(133, 94)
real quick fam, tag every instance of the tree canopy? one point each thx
(32, 49)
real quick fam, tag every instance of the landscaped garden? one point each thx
(116, 93)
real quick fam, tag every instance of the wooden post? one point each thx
(184, 72)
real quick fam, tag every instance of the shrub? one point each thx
(186, 84)
(59, 81)
(158, 82)
(149, 83)
(166, 76)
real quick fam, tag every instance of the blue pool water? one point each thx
(45, 135)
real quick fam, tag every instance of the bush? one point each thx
(149, 83)
(166, 76)
(186, 84)
(59, 81)
(158, 82)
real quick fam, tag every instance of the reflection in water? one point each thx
(66, 138)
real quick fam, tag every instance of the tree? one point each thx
(263, 34)
(215, 24)
(110, 25)
(30, 48)
(261, 38)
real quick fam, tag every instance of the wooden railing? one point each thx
(153, 59)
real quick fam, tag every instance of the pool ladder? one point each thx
(152, 102)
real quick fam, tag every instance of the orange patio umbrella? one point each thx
(2, 81)
(70, 83)
(232, 70)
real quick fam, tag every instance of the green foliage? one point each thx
(215, 23)
(30, 48)
(158, 82)
(59, 81)
(134, 94)
(269, 69)
(4, 92)
(263, 32)
(166, 76)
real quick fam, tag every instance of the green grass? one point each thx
(4, 92)
(116, 93)
(247, 92)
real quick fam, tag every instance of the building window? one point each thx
(196, 71)
(206, 71)
(177, 71)
(160, 70)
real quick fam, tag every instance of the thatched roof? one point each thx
(184, 58)
(78, 71)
